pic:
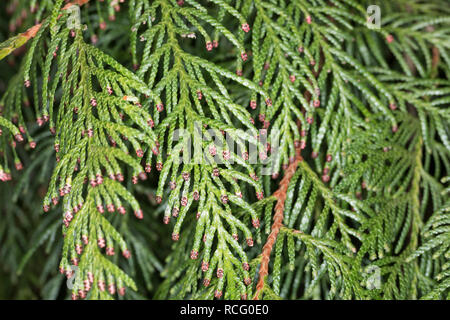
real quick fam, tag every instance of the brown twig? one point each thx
(435, 52)
(31, 33)
(436, 57)
(280, 194)
(19, 40)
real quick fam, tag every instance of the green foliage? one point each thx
(166, 85)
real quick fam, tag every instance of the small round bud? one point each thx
(389, 38)
(194, 254)
(224, 199)
(259, 196)
(196, 195)
(126, 253)
(159, 107)
(245, 27)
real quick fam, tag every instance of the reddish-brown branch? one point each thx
(436, 57)
(31, 32)
(280, 194)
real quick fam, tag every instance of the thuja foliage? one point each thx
(229, 149)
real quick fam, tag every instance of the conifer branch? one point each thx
(195, 113)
